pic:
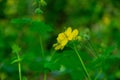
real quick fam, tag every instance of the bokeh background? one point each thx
(21, 25)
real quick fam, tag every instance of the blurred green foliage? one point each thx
(97, 20)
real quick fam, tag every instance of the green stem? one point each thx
(45, 76)
(82, 63)
(93, 48)
(52, 54)
(19, 67)
(90, 51)
(98, 75)
(43, 56)
(42, 51)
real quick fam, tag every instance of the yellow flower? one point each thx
(64, 37)
(106, 20)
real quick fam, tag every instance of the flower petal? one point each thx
(68, 32)
(73, 34)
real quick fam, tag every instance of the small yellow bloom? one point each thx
(58, 46)
(106, 20)
(64, 37)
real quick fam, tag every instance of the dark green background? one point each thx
(19, 24)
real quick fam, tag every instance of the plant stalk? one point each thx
(82, 63)
(19, 67)
(45, 76)
(43, 56)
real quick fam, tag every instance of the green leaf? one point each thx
(43, 3)
(38, 11)
(15, 48)
(70, 63)
(21, 20)
(15, 61)
(50, 66)
(117, 74)
(41, 28)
